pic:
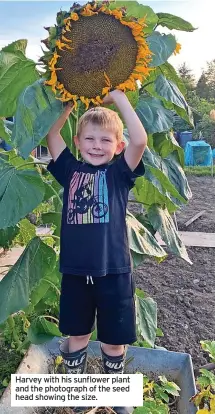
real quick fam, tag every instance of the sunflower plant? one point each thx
(90, 50)
(205, 397)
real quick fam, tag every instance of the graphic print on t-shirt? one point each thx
(88, 198)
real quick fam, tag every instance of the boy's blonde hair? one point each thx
(103, 117)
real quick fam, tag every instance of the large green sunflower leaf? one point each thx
(170, 73)
(164, 182)
(27, 231)
(164, 224)
(4, 131)
(149, 191)
(170, 174)
(18, 45)
(162, 47)
(154, 116)
(20, 192)
(37, 111)
(174, 22)
(16, 72)
(36, 261)
(49, 283)
(7, 236)
(141, 240)
(147, 318)
(165, 144)
(41, 330)
(134, 9)
(169, 91)
(53, 218)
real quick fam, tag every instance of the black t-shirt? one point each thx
(93, 230)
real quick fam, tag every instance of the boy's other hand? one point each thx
(114, 97)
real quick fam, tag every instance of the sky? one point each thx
(26, 20)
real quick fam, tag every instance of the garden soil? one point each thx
(185, 294)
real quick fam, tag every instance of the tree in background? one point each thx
(187, 77)
(201, 99)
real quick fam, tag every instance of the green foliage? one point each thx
(141, 241)
(16, 73)
(42, 330)
(5, 133)
(138, 10)
(37, 111)
(156, 395)
(162, 47)
(164, 224)
(206, 84)
(154, 116)
(36, 261)
(174, 22)
(7, 236)
(20, 192)
(169, 92)
(209, 346)
(187, 76)
(199, 171)
(27, 232)
(147, 318)
(205, 397)
(165, 144)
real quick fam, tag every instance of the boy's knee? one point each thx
(80, 337)
(113, 349)
(78, 342)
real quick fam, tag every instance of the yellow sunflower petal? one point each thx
(117, 13)
(177, 49)
(105, 90)
(65, 39)
(74, 16)
(53, 79)
(107, 79)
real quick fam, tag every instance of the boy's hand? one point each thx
(137, 133)
(113, 97)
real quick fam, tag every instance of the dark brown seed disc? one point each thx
(100, 44)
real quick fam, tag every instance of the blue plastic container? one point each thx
(185, 137)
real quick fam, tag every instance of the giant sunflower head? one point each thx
(94, 49)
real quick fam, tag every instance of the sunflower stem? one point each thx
(31, 163)
(56, 194)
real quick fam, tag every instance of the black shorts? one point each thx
(110, 299)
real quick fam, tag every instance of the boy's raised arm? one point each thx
(137, 133)
(55, 141)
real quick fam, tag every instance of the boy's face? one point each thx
(98, 145)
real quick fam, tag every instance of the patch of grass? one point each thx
(9, 362)
(199, 171)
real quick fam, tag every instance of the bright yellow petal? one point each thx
(74, 16)
(107, 79)
(53, 79)
(105, 90)
(65, 39)
(177, 49)
(117, 13)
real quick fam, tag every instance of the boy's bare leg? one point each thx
(78, 342)
(113, 350)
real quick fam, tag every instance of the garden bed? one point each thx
(176, 367)
(185, 294)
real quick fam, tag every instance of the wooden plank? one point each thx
(194, 218)
(193, 239)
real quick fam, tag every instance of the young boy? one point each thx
(94, 257)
